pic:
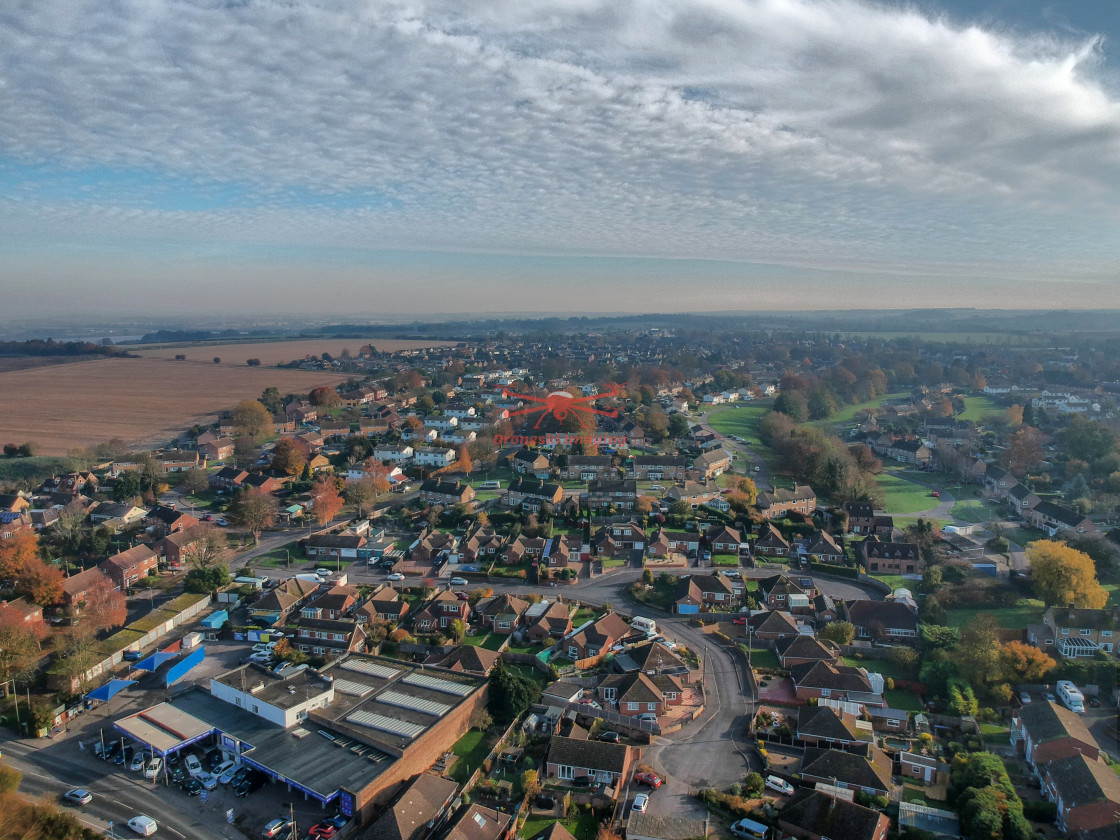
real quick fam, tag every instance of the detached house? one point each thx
(699, 593)
(592, 641)
(781, 593)
(772, 625)
(334, 546)
(892, 558)
(1087, 793)
(618, 538)
(576, 758)
(1078, 632)
(552, 622)
(881, 620)
(823, 726)
(825, 680)
(814, 815)
(637, 693)
(770, 543)
(502, 613)
(869, 772)
(723, 539)
(799, 650)
(824, 547)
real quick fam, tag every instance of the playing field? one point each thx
(140, 401)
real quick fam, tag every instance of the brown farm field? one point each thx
(278, 352)
(144, 402)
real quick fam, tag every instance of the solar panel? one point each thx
(350, 687)
(437, 684)
(386, 724)
(418, 704)
(372, 668)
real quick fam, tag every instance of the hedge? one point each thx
(838, 571)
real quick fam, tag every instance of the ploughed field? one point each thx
(279, 352)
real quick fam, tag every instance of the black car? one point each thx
(610, 737)
(213, 759)
(253, 782)
(124, 757)
(178, 775)
(239, 777)
(173, 758)
(191, 787)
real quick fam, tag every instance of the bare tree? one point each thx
(208, 547)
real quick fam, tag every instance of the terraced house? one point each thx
(776, 503)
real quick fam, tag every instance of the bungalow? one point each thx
(924, 768)
(776, 503)
(334, 546)
(553, 622)
(636, 694)
(481, 823)
(262, 482)
(576, 758)
(436, 491)
(277, 604)
(798, 650)
(127, 567)
(824, 547)
(565, 551)
(772, 625)
(869, 773)
(108, 511)
(652, 658)
(815, 815)
(470, 659)
(823, 726)
(723, 539)
(825, 680)
(592, 641)
(881, 620)
(779, 592)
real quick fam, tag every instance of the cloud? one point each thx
(832, 132)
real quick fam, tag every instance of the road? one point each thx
(759, 470)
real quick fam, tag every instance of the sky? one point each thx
(367, 159)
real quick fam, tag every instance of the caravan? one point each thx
(644, 625)
(1071, 697)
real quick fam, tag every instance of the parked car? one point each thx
(459, 581)
(338, 820)
(208, 781)
(191, 787)
(1095, 702)
(252, 782)
(396, 576)
(651, 779)
(226, 776)
(1024, 698)
(779, 785)
(222, 522)
(264, 647)
(193, 765)
(641, 802)
(463, 596)
(77, 796)
(1050, 698)
(739, 620)
(124, 757)
(610, 737)
(648, 717)
(143, 825)
(276, 827)
(138, 762)
(178, 775)
(323, 829)
(154, 768)
(223, 768)
(132, 655)
(261, 657)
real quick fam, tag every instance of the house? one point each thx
(1022, 499)
(723, 539)
(822, 546)
(653, 659)
(20, 610)
(881, 620)
(1077, 632)
(860, 517)
(501, 613)
(527, 462)
(658, 468)
(646, 826)
(588, 467)
(771, 625)
(124, 513)
(1052, 518)
(480, 543)
(892, 558)
(334, 604)
(574, 758)
(1086, 791)
(76, 587)
(924, 768)
(530, 493)
(162, 521)
(470, 659)
(870, 772)
(326, 637)
(666, 543)
(333, 546)
(770, 543)
(776, 503)
(593, 640)
(422, 804)
(388, 606)
(886, 719)
(618, 539)
(276, 605)
(797, 650)
(228, 479)
(700, 593)
(127, 567)
(445, 607)
(430, 544)
(219, 449)
(524, 549)
(779, 592)
(910, 452)
(393, 454)
(825, 680)
(815, 815)
(552, 622)
(1049, 732)
(178, 460)
(693, 493)
(636, 693)
(620, 494)
(565, 551)
(433, 456)
(711, 464)
(481, 823)
(436, 491)
(823, 726)
(263, 483)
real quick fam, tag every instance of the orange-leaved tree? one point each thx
(1062, 575)
(17, 552)
(103, 607)
(326, 500)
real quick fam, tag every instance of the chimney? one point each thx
(1070, 611)
(1116, 614)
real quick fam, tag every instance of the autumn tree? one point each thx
(978, 652)
(208, 547)
(103, 608)
(18, 552)
(196, 481)
(326, 501)
(1063, 575)
(40, 582)
(1025, 451)
(254, 509)
(841, 632)
(19, 651)
(1023, 663)
(290, 455)
(77, 651)
(361, 494)
(463, 460)
(457, 630)
(251, 418)
(645, 505)
(324, 396)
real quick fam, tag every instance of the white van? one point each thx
(1071, 697)
(644, 625)
(490, 485)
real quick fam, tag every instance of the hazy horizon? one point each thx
(183, 156)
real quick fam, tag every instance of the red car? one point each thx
(462, 596)
(323, 829)
(651, 779)
(740, 620)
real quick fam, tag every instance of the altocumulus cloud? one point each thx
(791, 131)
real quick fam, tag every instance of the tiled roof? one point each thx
(591, 755)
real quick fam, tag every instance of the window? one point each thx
(1084, 631)
(565, 772)
(1065, 631)
(1106, 647)
(1106, 634)
(826, 692)
(651, 706)
(632, 707)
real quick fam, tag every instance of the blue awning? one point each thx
(110, 689)
(150, 663)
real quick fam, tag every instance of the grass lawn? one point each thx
(1024, 536)
(742, 421)
(993, 733)
(582, 828)
(725, 559)
(977, 408)
(848, 413)
(904, 496)
(472, 748)
(1026, 611)
(916, 795)
(613, 563)
(582, 614)
(277, 559)
(972, 510)
(906, 701)
(763, 658)
(897, 581)
(490, 641)
(530, 673)
(880, 666)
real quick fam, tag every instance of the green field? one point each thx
(848, 413)
(1026, 611)
(971, 510)
(977, 408)
(904, 496)
(741, 420)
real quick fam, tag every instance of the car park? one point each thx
(143, 825)
(779, 785)
(641, 802)
(276, 827)
(651, 779)
(191, 786)
(77, 796)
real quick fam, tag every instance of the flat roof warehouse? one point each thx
(359, 727)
